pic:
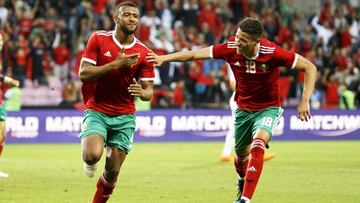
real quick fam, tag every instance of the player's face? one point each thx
(128, 19)
(244, 42)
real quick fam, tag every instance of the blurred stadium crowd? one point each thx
(44, 41)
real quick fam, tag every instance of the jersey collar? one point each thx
(122, 46)
(257, 53)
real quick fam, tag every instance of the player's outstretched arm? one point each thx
(144, 90)
(309, 68)
(89, 71)
(203, 53)
(9, 81)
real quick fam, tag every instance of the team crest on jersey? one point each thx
(264, 66)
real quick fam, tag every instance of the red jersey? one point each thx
(61, 54)
(87, 90)
(257, 77)
(110, 92)
(1, 92)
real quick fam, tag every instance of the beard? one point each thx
(238, 50)
(127, 30)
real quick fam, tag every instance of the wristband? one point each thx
(7, 79)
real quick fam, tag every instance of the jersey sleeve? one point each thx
(219, 51)
(147, 72)
(283, 57)
(91, 51)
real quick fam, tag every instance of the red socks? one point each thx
(104, 190)
(254, 169)
(241, 164)
(1, 148)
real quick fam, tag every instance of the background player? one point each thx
(12, 83)
(254, 62)
(112, 64)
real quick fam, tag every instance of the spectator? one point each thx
(347, 98)
(61, 58)
(37, 50)
(70, 94)
(42, 39)
(3, 13)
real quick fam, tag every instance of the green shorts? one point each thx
(117, 131)
(248, 123)
(3, 114)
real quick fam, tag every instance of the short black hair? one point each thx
(252, 26)
(126, 3)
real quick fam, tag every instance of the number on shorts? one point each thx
(267, 121)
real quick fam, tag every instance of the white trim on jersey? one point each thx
(123, 46)
(104, 34)
(231, 45)
(211, 51)
(266, 50)
(265, 47)
(295, 61)
(147, 79)
(104, 31)
(142, 44)
(87, 60)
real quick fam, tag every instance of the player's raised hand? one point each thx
(1, 42)
(304, 110)
(153, 58)
(14, 83)
(135, 89)
(125, 61)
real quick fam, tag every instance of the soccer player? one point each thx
(115, 70)
(254, 62)
(230, 135)
(12, 83)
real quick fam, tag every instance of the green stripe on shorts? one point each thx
(3, 113)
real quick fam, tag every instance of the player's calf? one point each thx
(104, 189)
(241, 163)
(254, 169)
(1, 148)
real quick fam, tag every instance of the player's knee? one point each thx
(262, 134)
(243, 151)
(257, 148)
(91, 158)
(2, 137)
(239, 160)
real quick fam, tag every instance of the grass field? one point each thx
(183, 172)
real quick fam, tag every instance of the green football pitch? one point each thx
(183, 172)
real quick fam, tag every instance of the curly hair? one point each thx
(126, 3)
(252, 26)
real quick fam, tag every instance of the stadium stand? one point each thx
(44, 41)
